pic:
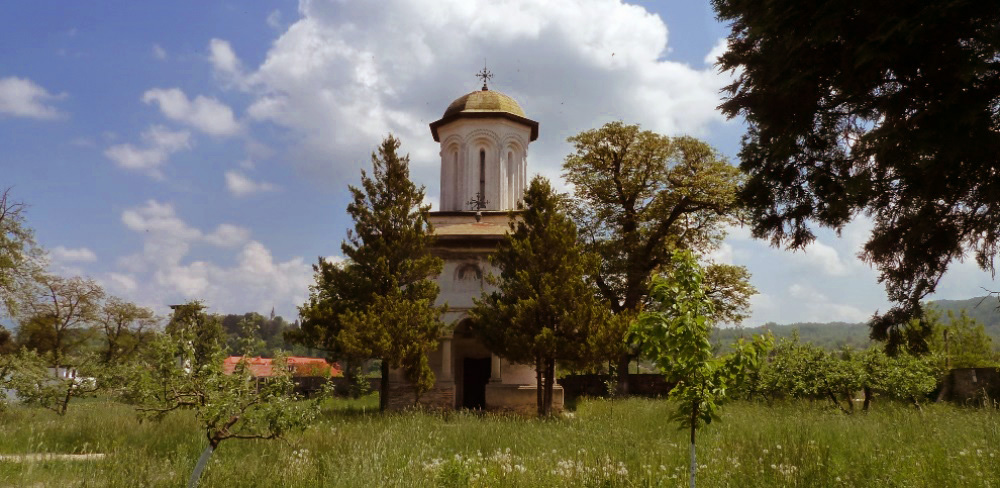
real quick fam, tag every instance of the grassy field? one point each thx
(603, 443)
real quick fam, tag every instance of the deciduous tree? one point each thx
(882, 109)
(545, 308)
(638, 197)
(674, 332)
(18, 253)
(59, 309)
(125, 326)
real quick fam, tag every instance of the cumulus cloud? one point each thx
(823, 257)
(345, 74)
(78, 255)
(223, 58)
(240, 185)
(162, 273)
(205, 114)
(160, 143)
(21, 97)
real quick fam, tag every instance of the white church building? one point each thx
(484, 139)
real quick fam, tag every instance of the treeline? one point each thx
(835, 335)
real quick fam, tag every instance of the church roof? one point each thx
(484, 103)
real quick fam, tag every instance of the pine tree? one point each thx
(384, 306)
(544, 310)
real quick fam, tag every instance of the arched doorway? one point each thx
(473, 363)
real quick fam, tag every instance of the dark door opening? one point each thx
(476, 373)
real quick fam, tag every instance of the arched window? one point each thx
(482, 174)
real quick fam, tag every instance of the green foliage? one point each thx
(805, 371)
(179, 375)
(126, 327)
(19, 257)
(200, 331)
(61, 312)
(638, 196)
(36, 383)
(962, 343)
(380, 302)
(674, 332)
(544, 310)
(886, 109)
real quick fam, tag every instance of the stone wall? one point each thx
(971, 385)
(441, 396)
(644, 385)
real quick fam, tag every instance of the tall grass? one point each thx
(603, 443)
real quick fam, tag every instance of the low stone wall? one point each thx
(401, 396)
(971, 385)
(521, 399)
(644, 385)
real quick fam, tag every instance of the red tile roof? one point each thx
(301, 366)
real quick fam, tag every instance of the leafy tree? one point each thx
(886, 109)
(228, 406)
(386, 311)
(202, 330)
(638, 197)
(544, 309)
(674, 333)
(36, 383)
(18, 254)
(125, 326)
(962, 343)
(337, 289)
(57, 309)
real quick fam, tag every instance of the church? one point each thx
(484, 137)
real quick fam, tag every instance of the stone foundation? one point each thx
(441, 396)
(522, 399)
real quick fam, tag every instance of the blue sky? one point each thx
(180, 150)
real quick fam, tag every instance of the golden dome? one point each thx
(484, 101)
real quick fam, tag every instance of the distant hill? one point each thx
(834, 335)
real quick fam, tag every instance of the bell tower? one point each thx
(484, 138)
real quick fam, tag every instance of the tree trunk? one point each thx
(383, 394)
(623, 384)
(550, 369)
(833, 398)
(868, 399)
(198, 468)
(694, 461)
(539, 396)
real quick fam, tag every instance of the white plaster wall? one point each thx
(505, 144)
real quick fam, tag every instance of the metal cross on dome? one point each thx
(484, 75)
(478, 203)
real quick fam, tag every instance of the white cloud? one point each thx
(223, 58)
(344, 75)
(205, 114)
(160, 143)
(21, 97)
(814, 306)
(241, 186)
(823, 257)
(159, 53)
(161, 273)
(228, 235)
(79, 255)
(721, 46)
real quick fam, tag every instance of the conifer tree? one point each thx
(544, 309)
(380, 303)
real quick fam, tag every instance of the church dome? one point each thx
(481, 104)
(484, 101)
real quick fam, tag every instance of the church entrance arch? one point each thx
(473, 368)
